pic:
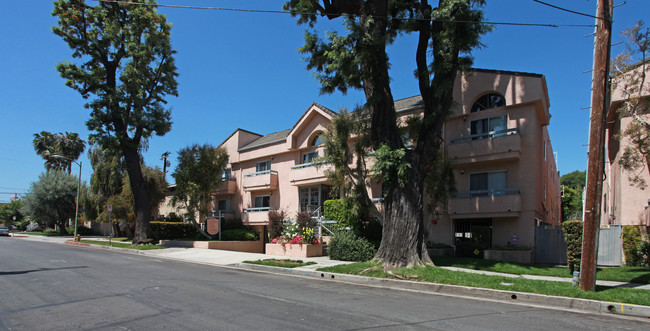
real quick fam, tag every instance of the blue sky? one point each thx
(242, 70)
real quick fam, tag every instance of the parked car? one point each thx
(4, 231)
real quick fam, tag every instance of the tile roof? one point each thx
(267, 140)
(409, 103)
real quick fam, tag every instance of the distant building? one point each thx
(623, 203)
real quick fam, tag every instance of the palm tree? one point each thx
(47, 145)
(44, 145)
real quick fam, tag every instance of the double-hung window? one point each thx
(225, 175)
(488, 127)
(263, 166)
(223, 205)
(262, 201)
(309, 157)
(487, 183)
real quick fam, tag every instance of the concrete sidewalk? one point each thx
(236, 259)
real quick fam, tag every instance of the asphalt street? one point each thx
(45, 286)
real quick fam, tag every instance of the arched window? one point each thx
(489, 101)
(317, 140)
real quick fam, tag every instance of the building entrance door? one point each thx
(312, 198)
(472, 236)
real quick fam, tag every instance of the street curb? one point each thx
(585, 305)
(108, 248)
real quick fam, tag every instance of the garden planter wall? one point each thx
(509, 255)
(294, 250)
(237, 246)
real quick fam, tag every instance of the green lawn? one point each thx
(286, 263)
(122, 245)
(622, 274)
(34, 233)
(443, 276)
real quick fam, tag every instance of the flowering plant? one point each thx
(292, 234)
(298, 239)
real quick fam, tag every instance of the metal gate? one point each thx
(550, 247)
(610, 246)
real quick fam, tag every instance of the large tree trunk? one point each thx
(140, 195)
(402, 244)
(403, 232)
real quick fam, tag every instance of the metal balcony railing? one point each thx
(260, 173)
(486, 135)
(256, 209)
(486, 193)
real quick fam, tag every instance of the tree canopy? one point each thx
(198, 175)
(575, 179)
(51, 199)
(125, 68)
(446, 35)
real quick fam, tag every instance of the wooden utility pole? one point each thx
(599, 92)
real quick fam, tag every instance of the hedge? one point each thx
(631, 246)
(239, 235)
(341, 211)
(172, 230)
(573, 239)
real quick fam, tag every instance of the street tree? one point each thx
(573, 184)
(10, 213)
(630, 70)
(198, 175)
(358, 60)
(123, 204)
(107, 177)
(51, 199)
(125, 68)
(348, 148)
(575, 179)
(48, 146)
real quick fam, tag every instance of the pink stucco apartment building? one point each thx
(497, 141)
(623, 202)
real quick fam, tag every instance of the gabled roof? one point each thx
(269, 139)
(233, 133)
(281, 136)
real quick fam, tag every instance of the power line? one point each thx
(567, 10)
(268, 11)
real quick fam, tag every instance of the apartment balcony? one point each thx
(308, 173)
(485, 147)
(486, 203)
(261, 180)
(256, 216)
(227, 188)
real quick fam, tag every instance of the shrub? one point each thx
(341, 211)
(276, 219)
(631, 244)
(172, 217)
(51, 232)
(346, 246)
(644, 252)
(172, 230)
(232, 224)
(82, 230)
(304, 220)
(239, 235)
(573, 238)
